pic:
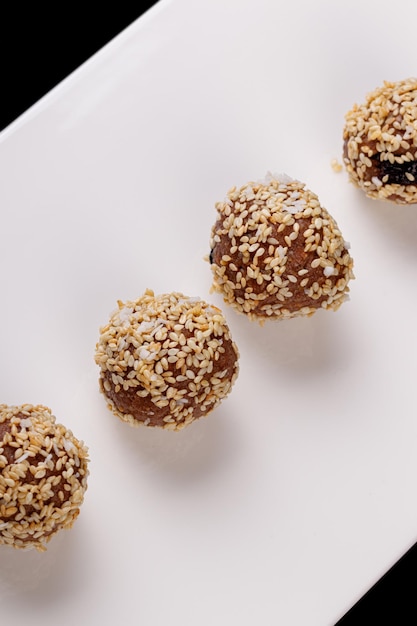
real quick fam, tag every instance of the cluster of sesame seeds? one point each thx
(336, 166)
(380, 142)
(43, 476)
(276, 252)
(165, 360)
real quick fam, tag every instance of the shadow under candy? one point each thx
(44, 578)
(397, 223)
(301, 346)
(185, 457)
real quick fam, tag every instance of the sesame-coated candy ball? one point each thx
(380, 143)
(276, 253)
(43, 476)
(165, 360)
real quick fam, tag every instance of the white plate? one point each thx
(290, 500)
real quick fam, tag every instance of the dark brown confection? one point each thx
(276, 253)
(165, 360)
(43, 476)
(380, 143)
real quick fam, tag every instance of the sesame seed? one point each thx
(336, 166)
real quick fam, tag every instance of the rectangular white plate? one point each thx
(290, 500)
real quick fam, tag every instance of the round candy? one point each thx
(43, 476)
(276, 253)
(165, 360)
(380, 142)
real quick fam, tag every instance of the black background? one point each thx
(39, 47)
